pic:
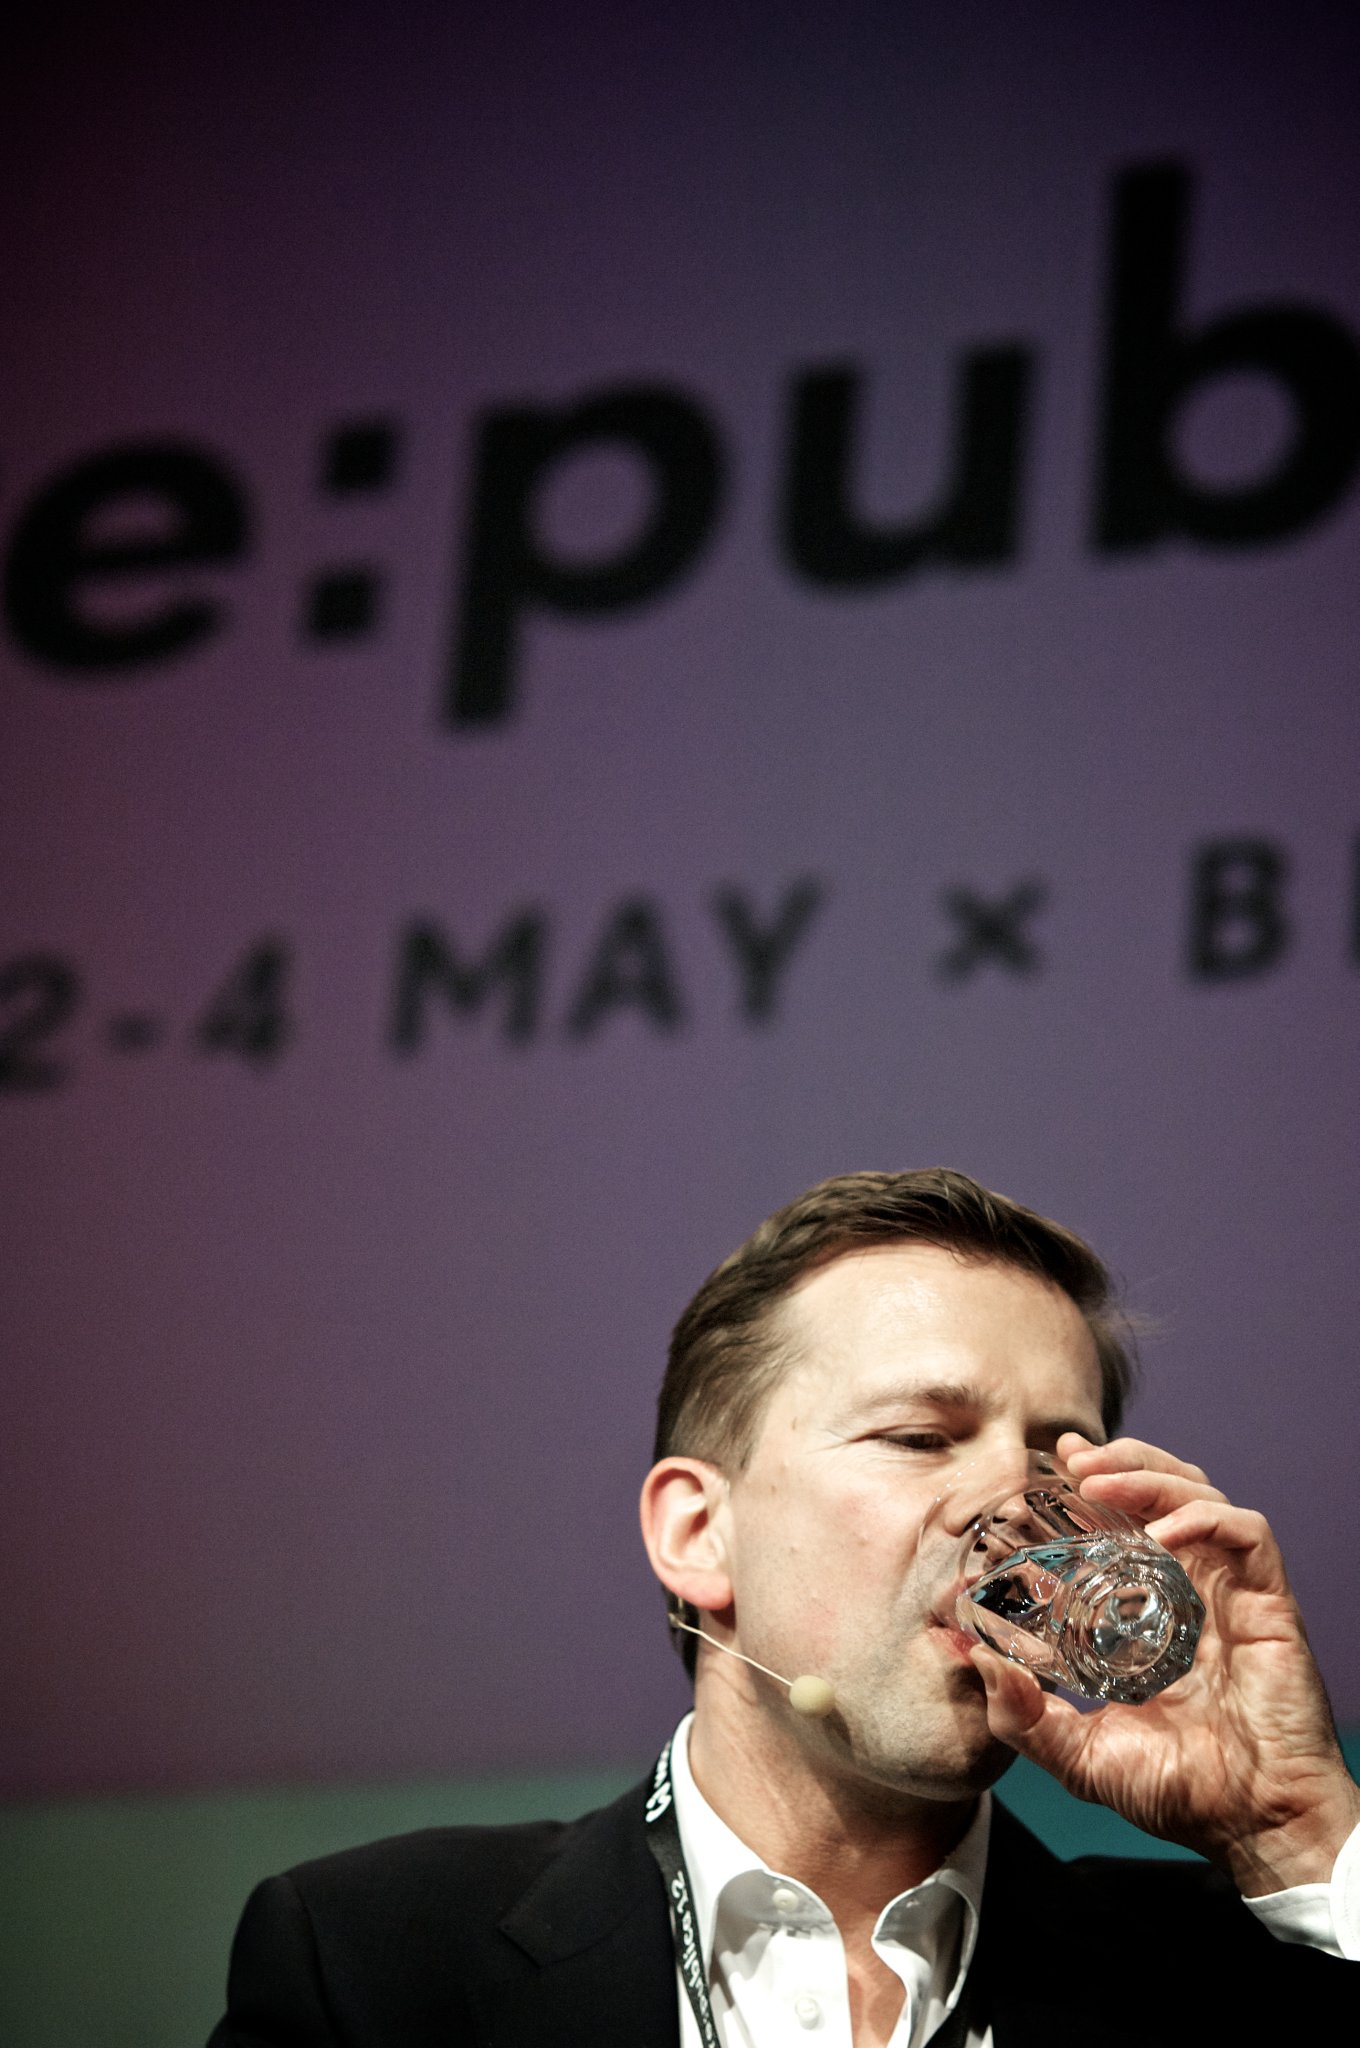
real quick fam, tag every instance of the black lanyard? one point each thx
(663, 1839)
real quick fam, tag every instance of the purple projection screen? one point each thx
(607, 614)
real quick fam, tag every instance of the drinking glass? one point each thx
(1075, 1590)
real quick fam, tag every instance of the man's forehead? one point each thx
(903, 1320)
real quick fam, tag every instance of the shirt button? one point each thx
(784, 1899)
(807, 2011)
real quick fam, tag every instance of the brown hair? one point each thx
(723, 1361)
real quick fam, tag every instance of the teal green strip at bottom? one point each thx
(116, 1915)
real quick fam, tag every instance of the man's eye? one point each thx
(917, 1439)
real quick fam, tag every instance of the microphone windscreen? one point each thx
(813, 1697)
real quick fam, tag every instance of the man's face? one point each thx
(907, 1362)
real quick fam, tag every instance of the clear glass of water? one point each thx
(1076, 1591)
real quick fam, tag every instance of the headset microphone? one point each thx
(813, 1697)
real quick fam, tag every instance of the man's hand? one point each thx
(1239, 1759)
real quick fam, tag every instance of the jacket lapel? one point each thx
(593, 1931)
(593, 1960)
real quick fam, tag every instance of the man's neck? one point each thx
(856, 1845)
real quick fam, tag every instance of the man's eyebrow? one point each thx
(930, 1393)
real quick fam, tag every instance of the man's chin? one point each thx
(980, 1772)
(948, 1754)
(963, 1770)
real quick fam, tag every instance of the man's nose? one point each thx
(963, 1496)
(979, 1483)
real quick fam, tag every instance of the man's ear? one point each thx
(683, 1513)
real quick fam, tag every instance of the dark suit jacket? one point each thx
(559, 1933)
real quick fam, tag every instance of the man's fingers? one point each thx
(1015, 1701)
(1147, 1493)
(1177, 1505)
(1219, 1525)
(1126, 1454)
(1020, 1713)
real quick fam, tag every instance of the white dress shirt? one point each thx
(776, 1961)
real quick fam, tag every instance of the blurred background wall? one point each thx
(606, 612)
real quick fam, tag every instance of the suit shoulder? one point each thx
(444, 1868)
(387, 1942)
(1095, 1894)
(1216, 1929)
(1182, 1874)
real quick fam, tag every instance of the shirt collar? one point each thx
(716, 1856)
